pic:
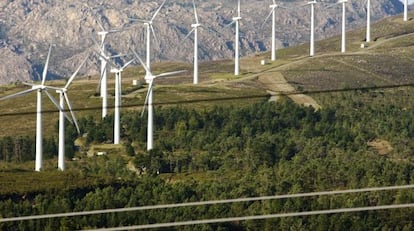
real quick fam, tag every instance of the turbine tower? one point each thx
(272, 13)
(312, 35)
(148, 100)
(405, 10)
(39, 88)
(62, 98)
(150, 28)
(195, 27)
(117, 70)
(343, 42)
(104, 81)
(236, 20)
(118, 96)
(368, 36)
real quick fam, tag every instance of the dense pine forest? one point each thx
(223, 152)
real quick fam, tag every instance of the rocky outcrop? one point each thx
(27, 27)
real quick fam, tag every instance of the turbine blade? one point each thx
(18, 94)
(138, 20)
(284, 7)
(76, 72)
(195, 12)
(274, 2)
(333, 4)
(119, 55)
(55, 102)
(46, 66)
(96, 43)
(155, 37)
(53, 88)
(158, 10)
(142, 63)
(268, 16)
(238, 8)
(29, 84)
(72, 112)
(99, 23)
(170, 73)
(115, 30)
(151, 84)
(228, 25)
(106, 59)
(127, 64)
(188, 35)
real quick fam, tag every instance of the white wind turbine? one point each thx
(148, 100)
(150, 28)
(62, 98)
(195, 27)
(272, 13)
(343, 40)
(236, 20)
(104, 81)
(39, 88)
(117, 70)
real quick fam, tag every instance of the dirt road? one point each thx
(276, 84)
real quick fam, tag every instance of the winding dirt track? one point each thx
(276, 84)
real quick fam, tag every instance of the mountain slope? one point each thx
(27, 27)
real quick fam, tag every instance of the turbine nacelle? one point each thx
(273, 6)
(311, 2)
(195, 25)
(103, 33)
(237, 18)
(63, 90)
(115, 70)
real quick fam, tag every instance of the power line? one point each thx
(255, 96)
(212, 202)
(258, 217)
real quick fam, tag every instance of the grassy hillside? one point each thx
(384, 63)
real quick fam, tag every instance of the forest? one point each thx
(224, 152)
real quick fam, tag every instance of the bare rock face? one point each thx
(28, 27)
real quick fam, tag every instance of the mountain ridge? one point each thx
(27, 27)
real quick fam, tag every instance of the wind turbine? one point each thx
(39, 88)
(343, 41)
(103, 81)
(236, 20)
(148, 100)
(62, 98)
(118, 91)
(117, 70)
(195, 30)
(272, 13)
(150, 28)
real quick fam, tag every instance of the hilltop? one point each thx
(28, 27)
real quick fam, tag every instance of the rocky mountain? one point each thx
(28, 27)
